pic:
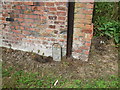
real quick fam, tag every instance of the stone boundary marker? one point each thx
(57, 52)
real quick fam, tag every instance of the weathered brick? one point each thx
(52, 13)
(16, 27)
(80, 5)
(16, 31)
(41, 8)
(38, 12)
(59, 22)
(61, 3)
(84, 47)
(35, 8)
(52, 26)
(52, 9)
(86, 52)
(79, 16)
(23, 7)
(28, 20)
(88, 11)
(49, 4)
(89, 17)
(26, 32)
(89, 6)
(78, 51)
(18, 7)
(28, 3)
(22, 28)
(52, 17)
(20, 19)
(61, 40)
(61, 8)
(44, 18)
(87, 30)
(61, 13)
(62, 18)
(87, 44)
(77, 25)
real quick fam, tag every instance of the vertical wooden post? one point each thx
(71, 6)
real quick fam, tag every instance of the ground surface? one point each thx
(103, 62)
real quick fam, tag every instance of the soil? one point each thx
(103, 61)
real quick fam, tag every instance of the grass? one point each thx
(22, 79)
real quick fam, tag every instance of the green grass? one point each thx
(21, 79)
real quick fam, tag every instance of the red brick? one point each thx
(2, 18)
(60, 3)
(28, 3)
(49, 4)
(79, 16)
(88, 17)
(50, 31)
(20, 19)
(53, 13)
(52, 9)
(29, 20)
(17, 27)
(61, 18)
(38, 12)
(86, 21)
(8, 6)
(32, 29)
(77, 25)
(41, 8)
(61, 8)
(86, 52)
(5, 14)
(42, 3)
(52, 26)
(52, 39)
(61, 40)
(16, 31)
(61, 13)
(34, 7)
(25, 32)
(43, 17)
(87, 44)
(23, 7)
(87, 30)
(12, 27)
(84, 48)
(28, 12)
(88, 27)
(20, 35)
(59, 22)
(87, 11)
(18, 7)
(52, 17)
(80, 5)
(89, 6)
(22, 28)
(78, 51)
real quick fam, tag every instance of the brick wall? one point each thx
(83, 30)
(38, 25)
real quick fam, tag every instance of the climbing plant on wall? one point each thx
(107, 20)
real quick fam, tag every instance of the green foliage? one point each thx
(110, 29)
(107, 20)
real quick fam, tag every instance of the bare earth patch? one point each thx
(103, 61)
